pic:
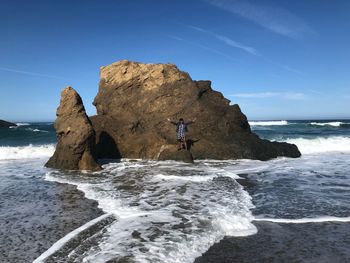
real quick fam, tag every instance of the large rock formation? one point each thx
(135, 99)
(75, 135)
(133, 104)
(6, 124)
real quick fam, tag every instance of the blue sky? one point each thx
(276, 59)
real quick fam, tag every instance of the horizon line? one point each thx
(252, 119)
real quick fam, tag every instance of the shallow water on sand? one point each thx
(165, 211)
(35, 213)
(173, 212)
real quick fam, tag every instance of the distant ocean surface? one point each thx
(174, 212)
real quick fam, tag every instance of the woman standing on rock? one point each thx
(181, 129)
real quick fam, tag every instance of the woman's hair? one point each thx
(181, 119)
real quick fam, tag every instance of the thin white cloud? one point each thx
(29, 73)
(317, 92)
(283, 66)
(213, 50)
(263, 95)
(273, 18)
(288, 68)
(228, 41)
(232, 43)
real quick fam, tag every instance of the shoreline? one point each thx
(37, 213)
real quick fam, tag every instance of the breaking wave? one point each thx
(35, 130)
(26, 152)
(333, 123)
(300, 123)
(268, 123)
(322, 144)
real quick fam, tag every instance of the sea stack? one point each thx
(6, 124)
(75, 135)
(135, 100)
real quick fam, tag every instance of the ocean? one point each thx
(175, 212)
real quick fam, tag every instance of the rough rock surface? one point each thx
(6, 124)
(75, 135)
(135, 100)
(171, 152)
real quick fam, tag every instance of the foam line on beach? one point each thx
(61, 242)
(196, 178)
(321, 219)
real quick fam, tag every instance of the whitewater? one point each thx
(174, 212)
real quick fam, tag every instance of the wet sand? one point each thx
(280, 242)
(292, 243)
(35, 213)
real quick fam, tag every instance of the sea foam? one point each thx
(35, 130)
(322, 144)
(22, 124)
(26, 152)
(268, 123)
(305, 220)
(61, 242)
(333, 123)
(176, 210)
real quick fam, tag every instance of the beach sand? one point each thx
(35, 213)
(275, 242)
